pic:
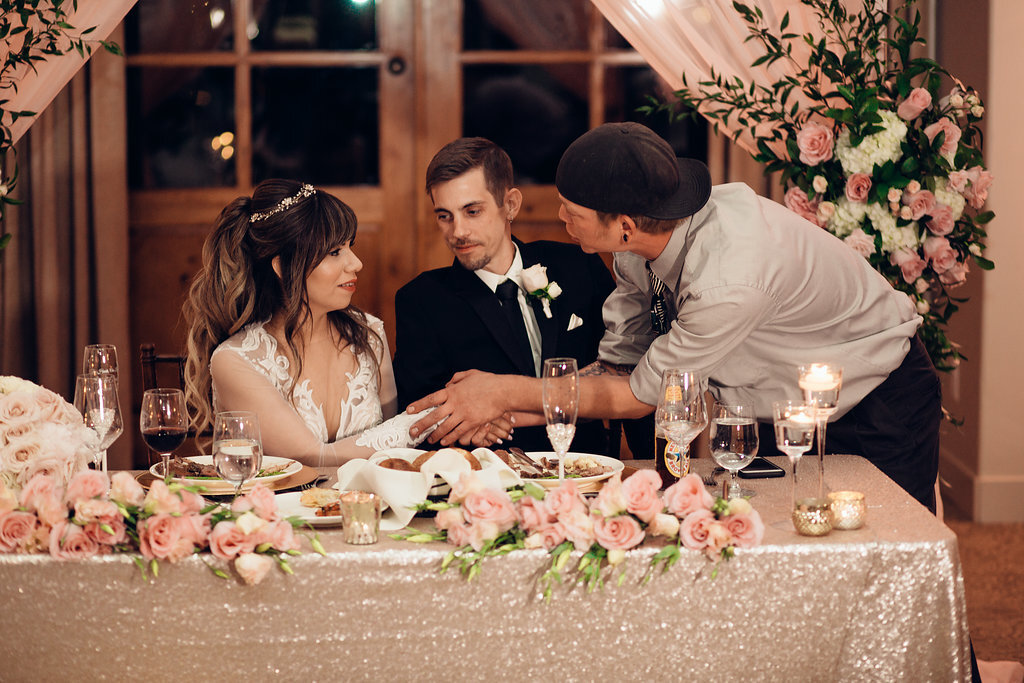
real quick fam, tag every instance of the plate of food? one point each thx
(200, 471)
(314, 506)
(587, 470)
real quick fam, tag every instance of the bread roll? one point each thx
(398, 464)
(422, 458)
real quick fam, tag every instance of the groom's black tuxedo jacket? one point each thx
(449, 320)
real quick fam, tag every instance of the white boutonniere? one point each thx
(536, 284)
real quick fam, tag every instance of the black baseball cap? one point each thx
(628, 168)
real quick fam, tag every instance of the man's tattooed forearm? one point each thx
(601, 367)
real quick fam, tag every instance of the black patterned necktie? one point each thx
(508, 294)
(659, 316)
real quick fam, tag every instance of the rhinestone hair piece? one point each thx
(305, 191)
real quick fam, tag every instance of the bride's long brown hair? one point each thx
(238, 285)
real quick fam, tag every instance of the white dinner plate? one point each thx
(290, 505)
(214, 485)
(585, 484)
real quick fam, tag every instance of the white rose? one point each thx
(819, 184)
(10, 384)
(739, 506)
(972, 100)
(975, 249)
(977, 110)
(252, 567)
(825, 211)
(616, 557)
(922, 306)
(906, 213)
(664, 525)
(554, 290)
(250, 523)
(894, 194)
(913, 187)
(535, 277)
(956, 100)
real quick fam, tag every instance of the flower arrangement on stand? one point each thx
(484, 522)
(878, 147)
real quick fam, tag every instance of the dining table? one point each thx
(884, 602)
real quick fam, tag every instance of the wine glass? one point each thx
(96, 400)
(794, 431)
(237, 447)
(561, 383)
(163, 420)
(680, 416)
(820, 383)
(734, 441)
(100, 359)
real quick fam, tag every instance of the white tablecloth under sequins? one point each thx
(882, 603)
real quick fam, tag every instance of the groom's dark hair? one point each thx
(462, 156)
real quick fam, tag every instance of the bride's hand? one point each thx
(495, 431)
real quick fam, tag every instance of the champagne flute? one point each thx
(163, 420)
(794, 431)
(680, 416)
(734, 441)
(820, 384)
(100, 359)
(561, 386)
(237, 447)
(96, 400)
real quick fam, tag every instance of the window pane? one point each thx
(628, 88)
(198, 25)
(181, 124)
(533, 112)
(316, 124)
(525, 24)
(315, 25)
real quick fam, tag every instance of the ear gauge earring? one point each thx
(625, 237)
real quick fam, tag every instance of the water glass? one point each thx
(237, 447)
(734, 441)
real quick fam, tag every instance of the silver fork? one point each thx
(710, 479)
(320, 478)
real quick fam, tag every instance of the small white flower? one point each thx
(554, 290)
(894, 195)
(4, 190)
(616, 557)
(913, 187)
(975, 249)
(972, 100)
(921, 285)
(977, 110)
(922, 306)
(906, 213)
(826, 210)
(249, 523)
(819, 184)
(956, 99)
(740, 506)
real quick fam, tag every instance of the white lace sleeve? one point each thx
(394, 433)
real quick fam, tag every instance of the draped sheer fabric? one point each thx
(250, 373)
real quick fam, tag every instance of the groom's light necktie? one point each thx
(508, 294)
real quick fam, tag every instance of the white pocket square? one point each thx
(574, 322)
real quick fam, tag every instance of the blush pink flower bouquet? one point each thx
(96, 515)
(483, 522)
(40, 433)
(878, 147)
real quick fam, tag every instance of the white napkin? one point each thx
(401, 490)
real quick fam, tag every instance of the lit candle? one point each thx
(360, 516)
(848, 509)
(819, 378)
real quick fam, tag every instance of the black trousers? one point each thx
(895, 427)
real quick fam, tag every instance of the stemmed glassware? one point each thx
(100, 359)
(733, 441)
(237, 447)
(680, 416)
(820, 384)
(96, 400)
(794, 431)
(163, 420)
(561, 386)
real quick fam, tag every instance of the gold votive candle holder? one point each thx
(360, 517)
(848, 509)
(812, 516)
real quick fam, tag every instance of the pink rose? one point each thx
(719, 539)
(458, 535)
(227, 541)
(579, 528)
(746, 529)
(939, 253)
(52, 464)
(611, 500)
(192, 503)
(533, 513)
(70, 542)
(618, 533)
(815, 143)
(911, 265)
(8, 501)
(642, 497)
(200, 529)
(977, 192)
(16, 529)
(491, 506)
(480, 532)
(126, 490)
(566, 499)
(955, 275)
(96, 532)
(796, 201)
(857, 187)
(664, 525)
(921, 202)
(860, 242)
(253, 567)
(687, 496)
(449, 517)
(96, 510)
(693, 531)
(161, 501)
(160, 537)
(917, 101)
(21, 451)
(86, 484)
(958, 181)
(467, 484)
(941, 221)
(40, 495)
(279, 535)
(951, 130)
(52, 407)
(259, 500)
(18, 407)
(546, 536)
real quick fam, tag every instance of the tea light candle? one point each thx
(819, 378)
(812, 517)
(360, 517)
(848, 509)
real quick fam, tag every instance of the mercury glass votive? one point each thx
(812, 516)
(360, 517)
(848, 509)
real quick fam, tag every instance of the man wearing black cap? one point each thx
(738, 288)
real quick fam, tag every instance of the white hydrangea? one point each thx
(10, 384)
(954, 200)
(847, 218)
(894, 238)
(873, 149)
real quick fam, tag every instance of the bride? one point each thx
(272, 329)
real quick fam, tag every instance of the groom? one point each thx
(478, 313)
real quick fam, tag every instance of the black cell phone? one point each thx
(761, 468)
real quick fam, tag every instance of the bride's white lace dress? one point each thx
(249, 373)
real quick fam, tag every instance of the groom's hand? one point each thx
(469, 401)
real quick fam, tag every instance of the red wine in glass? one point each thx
(164, 439)
(163, 420)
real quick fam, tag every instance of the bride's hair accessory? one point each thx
(305, 191)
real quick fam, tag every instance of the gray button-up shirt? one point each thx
(756, 291)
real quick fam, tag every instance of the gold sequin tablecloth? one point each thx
(882, 603)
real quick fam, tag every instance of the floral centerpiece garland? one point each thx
(871, 145)
(484, 522)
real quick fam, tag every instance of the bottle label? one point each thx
(677, 463)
